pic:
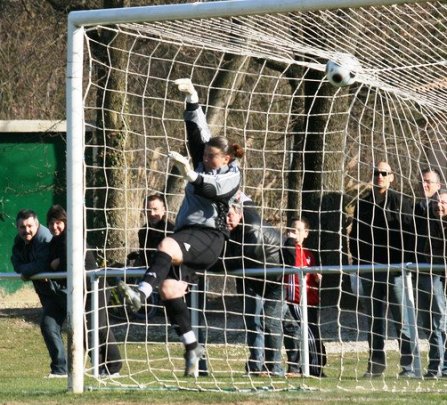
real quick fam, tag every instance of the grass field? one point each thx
(24, 363)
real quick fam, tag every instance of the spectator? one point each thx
(430, 185)
(109, 356)
(431, 285)
(295, 254)
(200, 229)
(31, 256)
(155, 229)
(256, 244)
(380, 233)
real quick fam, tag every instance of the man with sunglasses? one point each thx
(381, 233)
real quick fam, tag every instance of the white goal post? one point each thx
(128, 20)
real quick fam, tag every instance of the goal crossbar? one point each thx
(214, 9)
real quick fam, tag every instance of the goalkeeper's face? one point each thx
(214, 158)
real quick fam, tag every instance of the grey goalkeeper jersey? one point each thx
(206, 199)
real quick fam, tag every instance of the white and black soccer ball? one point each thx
(342, 72)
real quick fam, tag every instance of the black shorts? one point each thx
(201, 247)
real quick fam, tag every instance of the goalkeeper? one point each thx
(200, 229)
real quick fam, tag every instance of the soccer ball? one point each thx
(342, 72)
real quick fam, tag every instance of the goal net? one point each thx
(310, 151)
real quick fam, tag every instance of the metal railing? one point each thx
(408, 304)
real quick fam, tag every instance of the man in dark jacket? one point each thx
(430, 286)
(431, 297)
(256, 244)
(30, 256)
(156, 228)
(382, 233)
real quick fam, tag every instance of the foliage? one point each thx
(33, 35)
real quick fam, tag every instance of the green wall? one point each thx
(32, 175)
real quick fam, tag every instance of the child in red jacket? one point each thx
(297, 255)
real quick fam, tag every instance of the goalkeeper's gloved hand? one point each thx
(182, 163)
(186, 86)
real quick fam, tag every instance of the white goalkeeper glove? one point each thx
(182, 163)
(186, 86)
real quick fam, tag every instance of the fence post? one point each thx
(410, 316)
(94, 283)
(304, 342)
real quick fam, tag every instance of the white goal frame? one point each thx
(77, 21)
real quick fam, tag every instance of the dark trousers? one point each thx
(109, 354)
(317, 350)
(54, 314)
(262, 313)
(382, 291)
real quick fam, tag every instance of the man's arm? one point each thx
(39, 264)
(16, 257)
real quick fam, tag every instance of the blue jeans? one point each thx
(382, 290)
(431, 311)
(252, 313)
(273, 311)
(263, 322)
(53, 317)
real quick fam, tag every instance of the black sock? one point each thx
(178, 315)
(191, 346)
(161, 264)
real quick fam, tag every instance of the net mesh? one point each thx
(309, 148)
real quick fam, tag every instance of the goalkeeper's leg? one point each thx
(168, 253)
(172, 292)
(158, 271)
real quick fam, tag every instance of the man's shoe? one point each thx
(319, 375)
(105, 375)
(293, 372)
(271, 374)
(407, 374)
(248, 374)
(52, 375)
(431, 375)
(132, 297)
(374, 371)
(252, 373)
(192, 358)
(370, 374)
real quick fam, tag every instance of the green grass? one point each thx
(24, 363)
